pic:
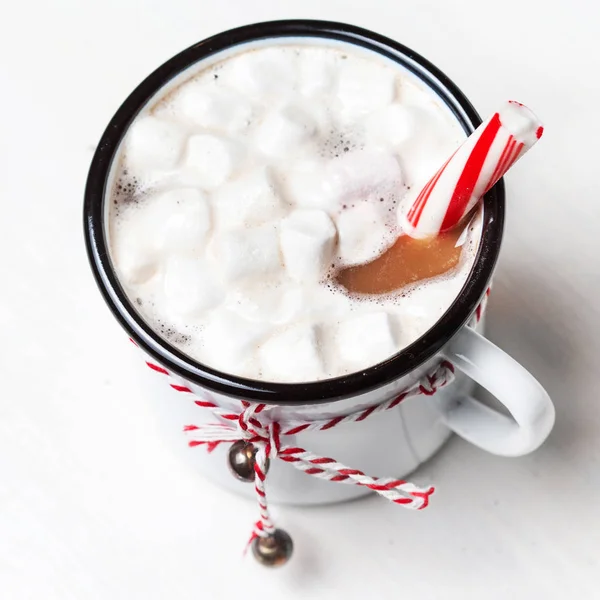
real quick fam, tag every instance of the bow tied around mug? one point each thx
(257, 439)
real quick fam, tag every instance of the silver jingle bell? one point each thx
(273, 550)
(242, 458)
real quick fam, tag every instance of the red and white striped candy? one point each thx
(471, 171)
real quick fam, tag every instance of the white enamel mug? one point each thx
(391, 443)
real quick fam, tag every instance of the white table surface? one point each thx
(92, 504)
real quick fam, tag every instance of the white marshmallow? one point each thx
(154, 143)
(138, 240)
(307, 241)
(308, 186)
(357, 175)
(420, 174)
(270, 302)
(134, 254)
(248, 252)
(216, 108)
(366, 340)
(423, 154)
(249, 200)
(364, 174)
(362, 234)
(316, 73)
(328, 305)
(170, 222)
(190, 288)
(391, 126)
(211, 159)
(283, 132)
(232, 341)
(292, 355)
(180, 220)
(268, 75)
(364, 87)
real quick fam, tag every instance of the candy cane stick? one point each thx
(471, 171)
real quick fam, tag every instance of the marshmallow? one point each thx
(247, 252)
(307, 186)
(420, 173)
(316, 73)
(135, 257)
(362, 234)
(364, 87)
(266, 303)
(217, 108)
(423, 154)
(366, 340)
(356, 175)
(211, 159)
(154, 143)
(232, 341)
(390, 126)
(181, 220)
(162, 224)
(190, 288)
(364, 174)
(283, 131)
(292, 355)
(249, 200)
(134, 241)
(327, 304)
(266, 76)
(307, 240)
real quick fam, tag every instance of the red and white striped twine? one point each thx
(253, 424)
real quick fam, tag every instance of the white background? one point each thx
(94, 506)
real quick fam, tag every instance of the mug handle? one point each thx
(528, 403)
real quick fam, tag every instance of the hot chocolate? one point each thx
(245, 192)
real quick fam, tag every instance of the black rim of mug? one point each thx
(339, 388)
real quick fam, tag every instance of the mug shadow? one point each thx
(485, 502)
(530, 321)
